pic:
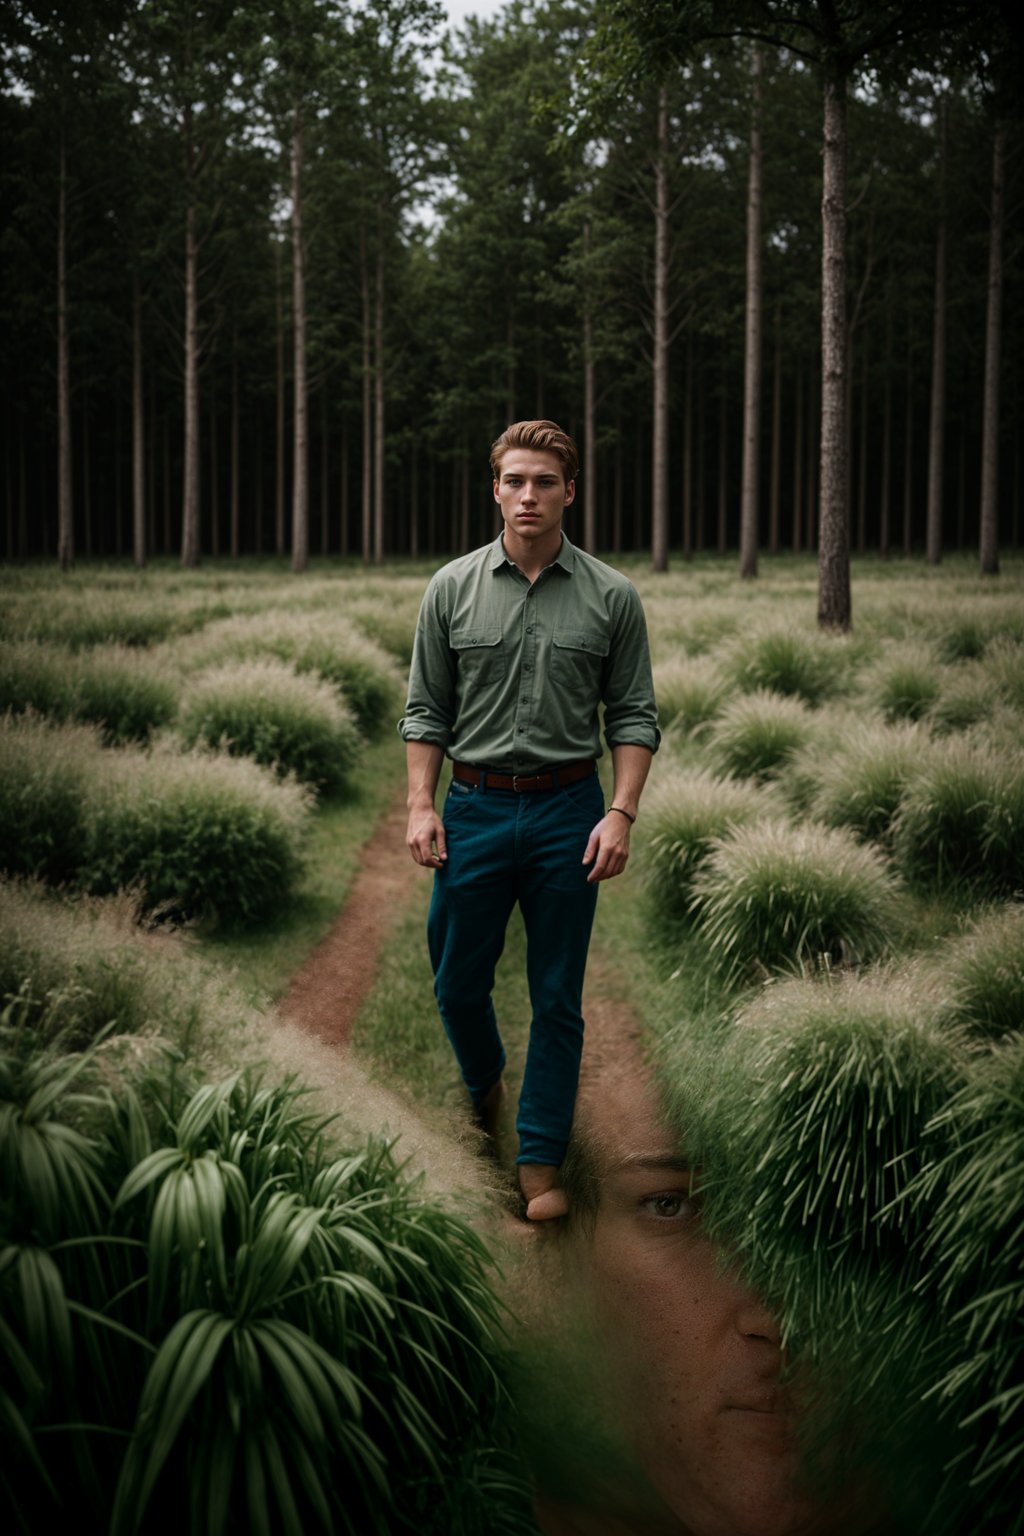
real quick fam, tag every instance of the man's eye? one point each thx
(673, 1205)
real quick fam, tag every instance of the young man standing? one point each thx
(517, 646)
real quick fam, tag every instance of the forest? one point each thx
(275, 272)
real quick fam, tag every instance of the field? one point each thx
(822, 934)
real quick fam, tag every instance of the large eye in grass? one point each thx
(670, 1205)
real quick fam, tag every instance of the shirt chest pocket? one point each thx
(577, 659)
(481, 657)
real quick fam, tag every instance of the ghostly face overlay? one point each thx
(694, 1355)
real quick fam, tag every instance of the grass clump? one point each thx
(861, 781)
(197, 834)
(684, 813)
(44, 781)
(755, 736)
(280, 1334)
(794, 663)
(774, 896)
(690, 692)
(330, 647)
(267, 711)
(122, 691)
(904, 686)
(981, 975)
(962, 820)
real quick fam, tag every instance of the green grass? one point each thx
(754, 736)
(860, 780)
(798, 663)
(961, 823)
(690, 692)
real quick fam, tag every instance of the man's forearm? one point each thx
(631, 766)
(423, 764)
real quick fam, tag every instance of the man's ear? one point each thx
(570, 492)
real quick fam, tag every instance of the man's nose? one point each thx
(754, 1320)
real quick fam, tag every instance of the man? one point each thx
(517, 646)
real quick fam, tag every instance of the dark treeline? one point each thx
(275, 273)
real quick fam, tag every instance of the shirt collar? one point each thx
(566, 556)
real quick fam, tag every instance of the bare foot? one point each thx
(544, 1202)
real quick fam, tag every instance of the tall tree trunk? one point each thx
(279, 476)
(659, 432)
(214, 484)
(300, 408)
(190, 534)
(166, 508)
(138, 432)
(688, 453)
(885, 498)
(618, 490)
(65, 504)
(367, 484)
(343, 509)
(798, 458)
(235, 487)
(775, 472)
(723, 466)
(862, 464)
(325, 522)
(961, 489)
(86, 473)
(589, 409)
(752, 337)
(937, 422)
(908, 462)
(834, 605)
(990, 418)
(810, 465)
(698, 511)
(378, 409)
(414, 501)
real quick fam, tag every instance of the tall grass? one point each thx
(269, 712)
(774, 896)
(802, 664)
(754, 736)
(980, 976)
(124, 692)
(961, 822)
(690, 692)
(860, 781)
(684, 813)
(195, 834)
(905, 684)
(328, 645)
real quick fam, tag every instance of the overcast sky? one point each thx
(458, 10)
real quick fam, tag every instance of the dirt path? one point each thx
(327, 994)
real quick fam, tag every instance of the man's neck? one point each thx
(532, 555)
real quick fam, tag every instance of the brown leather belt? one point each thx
(525, 783)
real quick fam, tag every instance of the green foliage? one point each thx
(860, 782)
(962, 820)
(199, 835)
(754, 736)
(904, 686)
(981, 975)
(44, 779)
(125, 693)
(774, 896)
(329, 645)
(267, 711)
(684, 813)
(690, 692)
(210, 1313)
(802, 664)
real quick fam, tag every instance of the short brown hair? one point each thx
(543, 437)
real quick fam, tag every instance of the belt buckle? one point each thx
(515, 783)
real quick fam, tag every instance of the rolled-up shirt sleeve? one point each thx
(430, 707)
(630, 711)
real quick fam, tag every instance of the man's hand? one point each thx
(425, 837)
(608, 847)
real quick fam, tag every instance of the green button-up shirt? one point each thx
(510, 675)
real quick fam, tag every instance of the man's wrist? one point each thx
(629, 815)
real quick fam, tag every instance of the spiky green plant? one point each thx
(269, 712)
(690, 691)
(973, 1275)
(980, 976)
(961, 821)
(328, 645)
(44, 781)
(967, 694)
(861, 780)
(802, 664)
(774, 896)
(905, 685)
(684, 813)
(197, 834)
(755, 735)
(256, 1334)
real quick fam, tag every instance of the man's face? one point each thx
(695, 1357)
(532, 492)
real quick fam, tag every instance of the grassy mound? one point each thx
(961, 822)
(779, 897)
(801, 664)
(44, 781)
(690, 692)
(980, 977)
(905, 684)
(861, 781)
(124, 692)
(269, 712)
(755, 736)
(684, 813)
